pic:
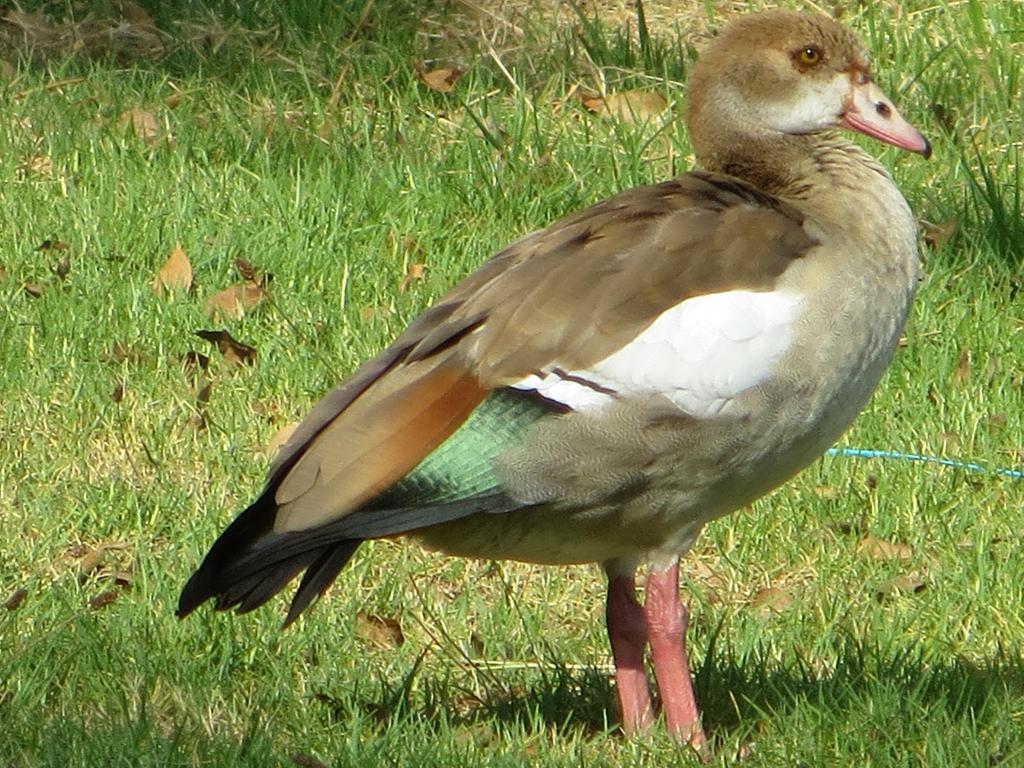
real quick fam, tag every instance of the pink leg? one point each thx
(627, 631)
(667, 619)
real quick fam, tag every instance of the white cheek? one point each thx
(817, 106)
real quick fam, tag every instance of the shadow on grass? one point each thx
(180, 38)
(735, 693)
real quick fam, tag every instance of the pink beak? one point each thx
(870, 112)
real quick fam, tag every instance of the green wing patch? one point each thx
(463, 465)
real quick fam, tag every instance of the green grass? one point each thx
(303, 142)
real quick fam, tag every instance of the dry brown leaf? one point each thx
(52, 245)
(117, 394)
(996, 421)
(248, 272)
(306, 761)
(203, 395)
(991, 369)
(16, 598)
(62, 268)
(91, 562)
(375, 311)
(35, 27)
(120, 352)
(771, 600)
(104, 599)
(950, 441)
(962, 372)
(905, 583)
(234, 300)
(416, 271)
(38, 165)
(442, 79)
(234, 351)
(143, 124)
(379, 631)
(194, 363)
(279, 438)
(937, 235)
(880, 549)
(35, 290)
(630, 106)
(173, 101)
(826, 492)
(175, 274)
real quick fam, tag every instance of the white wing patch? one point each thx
(700, 354)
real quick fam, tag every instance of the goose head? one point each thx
(779, 75)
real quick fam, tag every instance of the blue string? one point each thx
(868, 453)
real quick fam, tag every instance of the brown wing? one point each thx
(569, 295)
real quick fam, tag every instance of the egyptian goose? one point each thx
(601, 389)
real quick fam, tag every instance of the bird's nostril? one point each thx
(883, 109)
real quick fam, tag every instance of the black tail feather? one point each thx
(248, 565)
(319, 576)
(250, 562)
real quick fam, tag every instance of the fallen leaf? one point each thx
(34, 26)
(991, 369)
(235, 352)
(203, 396)
(477, 644)
(442, 79)
(937, 235)
(233, 301)
(630, 106)
(16, 598)
(104, 599)
(826, 492)
(379, 631)
(173, 101)
(62, 268)
(306, 761)
(175, 274)
(117, 395)
(194, 363)
(478, 735)
(996, 421)
(375, 311)
(143, 123)
(945, 116)
(771, 600)
(880, 549)
(416, 271)
(91, 562)
(950, 441)
(843, 527)
(247, 271)
(35, 290)
(41, 165)
(906, 583)
(52, 245)
(962, 372)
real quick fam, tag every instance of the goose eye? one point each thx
(809, 55)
